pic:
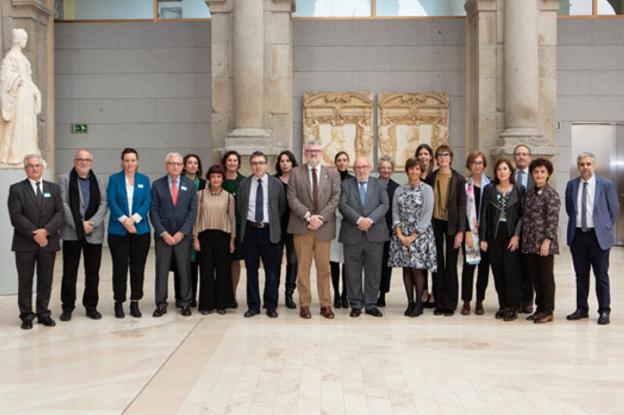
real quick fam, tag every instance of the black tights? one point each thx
(335, 277)
(414, 279)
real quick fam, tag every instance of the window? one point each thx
(334, 8)
(591, 7)
(130, 9)
(182, 9)
(420, 8)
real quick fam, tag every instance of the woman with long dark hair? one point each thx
(424, 153)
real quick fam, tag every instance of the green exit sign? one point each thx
(79, 129)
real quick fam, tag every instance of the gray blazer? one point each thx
(68, 231)
(277, 206)
(375, 208)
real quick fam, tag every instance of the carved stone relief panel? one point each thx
(340, 121)
(407, 120)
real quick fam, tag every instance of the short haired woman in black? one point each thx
(499, 231)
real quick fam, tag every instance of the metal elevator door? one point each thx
(606, 141)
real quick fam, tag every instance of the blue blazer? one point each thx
(167, 217)
(118, 203)
(606, 207)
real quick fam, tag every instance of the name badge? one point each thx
(183, 188)
(47, 195)
(140, 186)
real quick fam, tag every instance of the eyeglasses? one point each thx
(312, 151)
(361, 167)
(477, 162)
(83, 160)
(258, 163)
(443, 155)
(34, 166)
(174, 163)
(524, 154)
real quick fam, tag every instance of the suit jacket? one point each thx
(118, 203)
(277, 206)
(167, 217)
(27, 215)
(606, 208)
(68, 230)
(375, 207)
(456, 201)
(300, 201)
(390, 188)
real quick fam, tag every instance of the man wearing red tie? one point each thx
(172, 214)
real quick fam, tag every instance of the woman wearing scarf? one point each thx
(473, 256)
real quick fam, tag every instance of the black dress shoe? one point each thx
(381, 301)
(449, 313)
(160, 311)
(577, 315)
(345, 300)
(119, 313)
(355, 312)
(251, 313)
(438, 312)
(510, 315)
(26, 325)
(185, 311)
(93, 314)
(47, 321)
(271, 314)
(337, 301)
(499, 314)
(374, 312)
(134, 309)
(289, 301)
(65, 316)
(604, 319)
(193, 303)
(417, 310)
(408, 310)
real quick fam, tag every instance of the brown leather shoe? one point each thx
(543, 318)
(304, 312)
(479, 308)
(327, 312)
(525, 309)
(465, 310)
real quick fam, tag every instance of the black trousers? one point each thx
(71, 261)
(129, 250)
(586, 253)
(290, 282)
(26, 262)
(528, 292)
(445, 284)
(194, 278)
(541, 267)
(483, 270)
(506, 270)
(215, 283)
(256, 246)
(386, 271)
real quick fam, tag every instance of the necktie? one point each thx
(39, 194)
(314, 190)
(584, 208)
(174, 191)
(363, 192)
(520, 177)
(259, 202)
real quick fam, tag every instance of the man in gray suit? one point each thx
(36, 211)
(172, 214)
(261, 201)
(363, 204)
(84, 204)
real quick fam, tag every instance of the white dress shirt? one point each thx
(591, 193)
(130, 194)
(33, 184)
(251, 209)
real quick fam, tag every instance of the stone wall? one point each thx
(143, 85)
(381, 56)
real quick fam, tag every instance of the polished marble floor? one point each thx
(393, 365)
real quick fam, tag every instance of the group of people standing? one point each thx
(359, 226)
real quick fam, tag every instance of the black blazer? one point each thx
(390, 188)
(491, 209)
(455, 202)
(27, 215)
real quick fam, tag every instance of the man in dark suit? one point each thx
(522, 159)
(84, 204)
(363, 204)
(261, 200)
(36, 211)
(172, 213)
(385, 168)
(592, 206)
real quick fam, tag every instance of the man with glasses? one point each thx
(522, 158)
(84, 204)
(36, 211)
(313, 196)
(261, 200)
(363, 204)
(172, 214)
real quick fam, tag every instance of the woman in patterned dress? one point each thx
(539, 238)
(413, 246)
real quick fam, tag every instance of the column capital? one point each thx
(285, 6)
(220, 6)
(475, 6)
